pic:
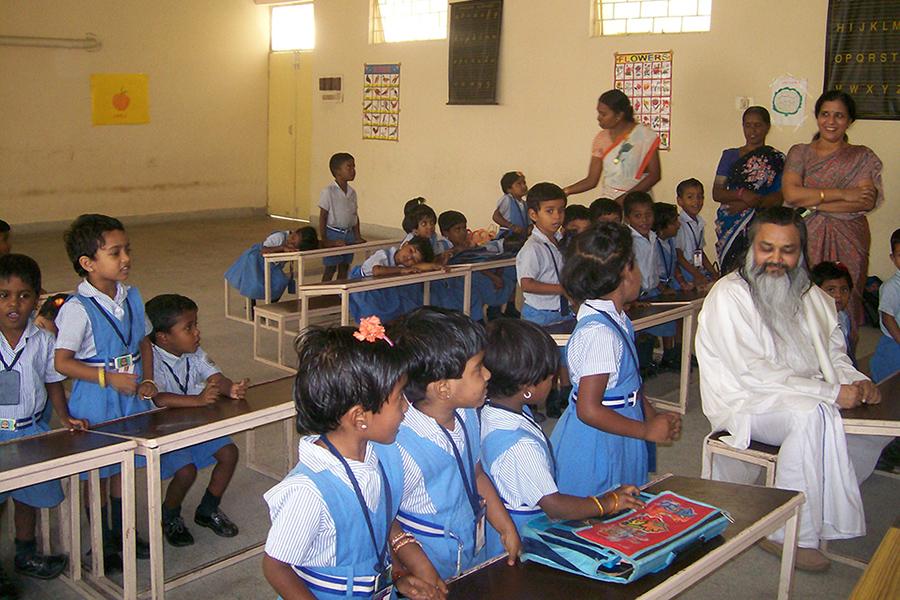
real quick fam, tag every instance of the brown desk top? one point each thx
(53, 445)
(532, 581)
(641, 311)
(158, 423)
(888, 410)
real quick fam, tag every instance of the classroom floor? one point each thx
(189, 258)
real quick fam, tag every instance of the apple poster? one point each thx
(120, 99)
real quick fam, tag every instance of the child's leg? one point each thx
(173, 525)
(343, 270)
(328, 273)
(226, 463)
(208, 513)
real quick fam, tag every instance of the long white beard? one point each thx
(779, 300)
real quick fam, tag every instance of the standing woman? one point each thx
(624, 155)
(839, 182)
(747, 178)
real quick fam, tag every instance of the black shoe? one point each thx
(650, 371)
(218, 522)
(41, 566)
(8, 589)
(112, 561)
(176, 533)
(511, 311)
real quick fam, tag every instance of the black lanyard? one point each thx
(187, 375)
(471, 491)
(696, 237)
(669, 265)
(625, 337)
(563, 302)
(9, 367)
(112, 321)
(534, 423)
(380, 555)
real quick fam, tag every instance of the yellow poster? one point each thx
(120, 99)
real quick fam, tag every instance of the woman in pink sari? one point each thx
(624, 155)
(839, 183)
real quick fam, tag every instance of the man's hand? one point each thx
(850, 396)
(868, 392)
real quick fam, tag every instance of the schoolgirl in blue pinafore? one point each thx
(668, 262)
(115, 339)
(493, 445)
(517, 213)
(389, 303)
(448, 536)
(591, 461)
(356, 559)
(247, 276)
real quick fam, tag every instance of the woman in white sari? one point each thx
(624, 155)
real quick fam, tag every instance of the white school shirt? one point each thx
(535, 260)
(193, 377)
(303, 530)
(646, 254)
(437, 242)
(595, 348)
(690, 235)
(383, 258)
(278, 238)
(889, 301)
(522, 474)
(75, 331)
(341, 206)
(507, 204)
(415, 495)
(35, 369)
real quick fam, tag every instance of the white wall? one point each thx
(550, 76)
(205, 145)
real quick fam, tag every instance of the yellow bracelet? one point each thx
(616, 499)
(599, 505)
(101, 377)
(821, 196)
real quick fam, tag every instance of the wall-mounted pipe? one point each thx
(89, 43)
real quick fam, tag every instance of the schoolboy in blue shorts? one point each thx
(338, 217)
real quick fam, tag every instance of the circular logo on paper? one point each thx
(787, 101)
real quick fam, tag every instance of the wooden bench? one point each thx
(757, 453)
(277, 317)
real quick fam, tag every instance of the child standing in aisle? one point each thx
(338, 217)
(695, 265)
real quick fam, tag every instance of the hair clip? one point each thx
(370, 330)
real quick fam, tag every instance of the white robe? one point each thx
(746, 388)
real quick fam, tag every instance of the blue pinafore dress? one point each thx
(590, 461)
(247, 276)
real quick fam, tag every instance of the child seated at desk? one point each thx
(887, 354)
(523, 360)
(247, 274)
(419, 220)
(415, 256)
(695, 265)
(334, 532)
(835, 280)
(446, 493)
(605, 210)
(27, 380)
(665, 225)
(187, 377)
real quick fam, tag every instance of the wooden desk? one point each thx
(61, 453)
(305, 255)
(644, 316)
(877, 419)
(757, 512)
(164, 430)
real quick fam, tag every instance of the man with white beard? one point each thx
(774, 368)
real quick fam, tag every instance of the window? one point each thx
(293, 27)
(408, 20)
(617, 17)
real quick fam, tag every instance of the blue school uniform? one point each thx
(355, 556)
(668, 262)
(448, 293)
(648, 257)
(534, 463)
(246, 275)
(590, 461)
(448, 534)
(886, 360)
(187, 375)
(25, 371)
(389, 303)
(514, 211)
(541, 260)
(342, 219)
(114, 339)
(690, 240)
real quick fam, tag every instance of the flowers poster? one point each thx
(646, 78)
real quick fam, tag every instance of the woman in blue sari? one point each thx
(747, 178)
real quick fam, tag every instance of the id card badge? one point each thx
(384, 584)
(10, 384)
(124, 363)
(698, 258)
(480, 523)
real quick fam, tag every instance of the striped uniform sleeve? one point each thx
(299, 522)
(595, 350)
(415, 494)
(206, 368)
(523, 475)
(50, 373)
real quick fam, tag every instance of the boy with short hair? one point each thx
(187, 377)
(606, 210)
(27, 381)
(577, 219)
(540, 261)
(886, 359)
(338, 216)
(690, 241)
(5, 246)
(512, 213)
(666, 225)
(835, 280)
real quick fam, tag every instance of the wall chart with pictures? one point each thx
(381, 102)
(646, 78)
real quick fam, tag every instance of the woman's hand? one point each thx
(863, 196)
(512, 543)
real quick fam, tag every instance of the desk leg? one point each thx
(426, 293)
(687, 335)
(299, 271)
(467, 293)
(267, 281)
(97, 567)
(345, 307)
(304, 312)
(154, 510)
(74, 532)
(787, 556)
(129, 561)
